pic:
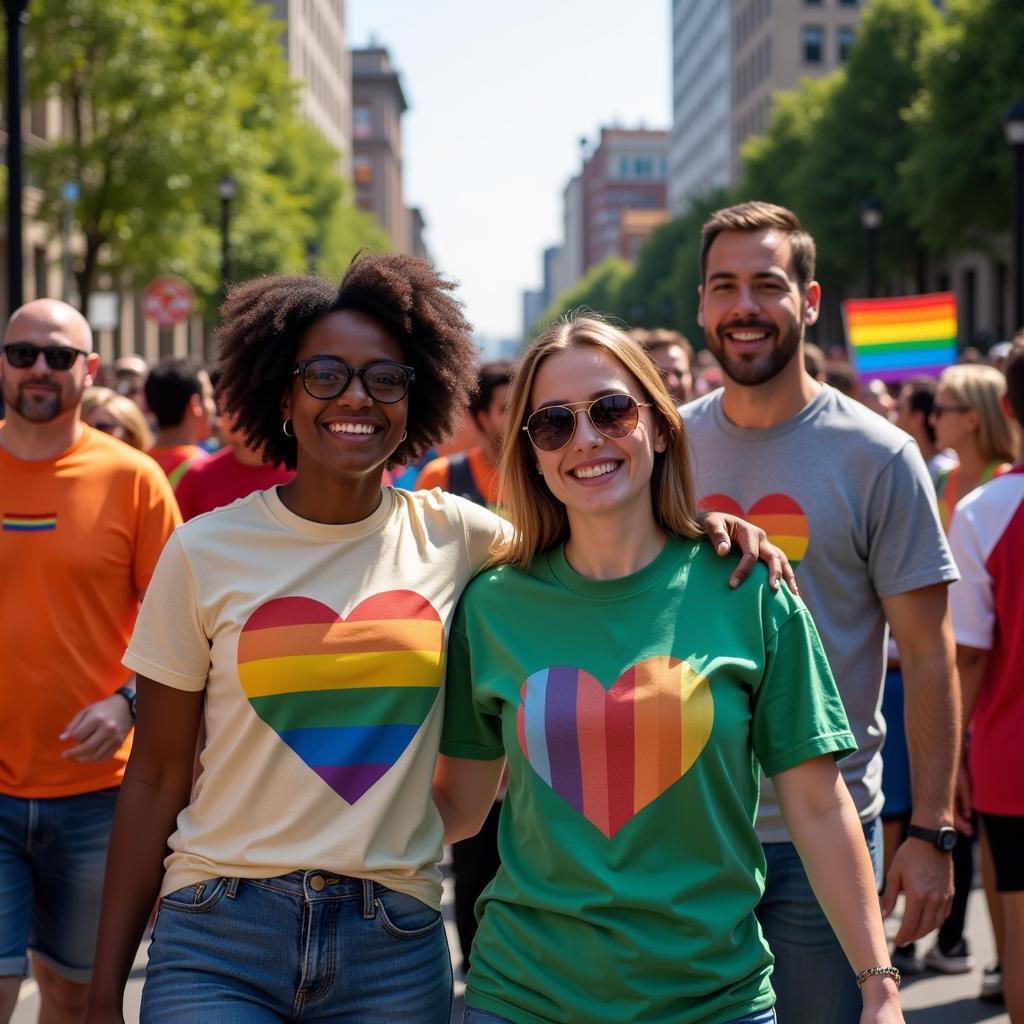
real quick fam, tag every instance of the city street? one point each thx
(929, 999)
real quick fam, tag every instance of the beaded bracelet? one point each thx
(890, 972)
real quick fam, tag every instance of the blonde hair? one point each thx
(980, 388)
(123, 411)
(539, 519)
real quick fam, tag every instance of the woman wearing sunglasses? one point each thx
(306, 625)
(634, 696)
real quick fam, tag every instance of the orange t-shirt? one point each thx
(485, 477)
(79, 539)
(176, 459)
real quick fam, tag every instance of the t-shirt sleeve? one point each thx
(485, 532)
(907, 548)
(797, 711)
(434, 474)
(468, 732)
(186, 494)
(156, 516)
(170, 644)
(970, 599)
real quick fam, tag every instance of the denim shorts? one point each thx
(483, 1017)
(307, 945)
(52, 856)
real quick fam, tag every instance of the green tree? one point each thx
(861, 136)
(773, 163)
(163, 98)
(599, 290)
(958, 178)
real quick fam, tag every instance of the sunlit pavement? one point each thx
(929, 999)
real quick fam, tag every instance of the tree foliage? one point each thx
(958, 175)
(599, 290)
(913, 119)
(164, 97)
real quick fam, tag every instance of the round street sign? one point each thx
(169, 300)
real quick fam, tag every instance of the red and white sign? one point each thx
(169, 300)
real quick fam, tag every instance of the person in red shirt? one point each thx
(179, 394)
(474, 474)
(231, 473)
(987, 538)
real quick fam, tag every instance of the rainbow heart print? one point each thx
(779, 515)
(610, 753)
(347, 695)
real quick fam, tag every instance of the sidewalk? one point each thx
(929, 999)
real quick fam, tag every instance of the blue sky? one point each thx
(500, 94)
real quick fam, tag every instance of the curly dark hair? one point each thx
(265, 320)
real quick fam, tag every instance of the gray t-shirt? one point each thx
(847, 496)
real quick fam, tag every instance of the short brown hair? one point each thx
(664, 337)
(759, 216)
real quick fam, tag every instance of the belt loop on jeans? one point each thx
(369, 907)
(232, 888)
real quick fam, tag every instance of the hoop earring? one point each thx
(284, 428)
(405, 434)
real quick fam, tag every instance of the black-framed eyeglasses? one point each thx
(23, 354)
(327, 377)
(616, 416)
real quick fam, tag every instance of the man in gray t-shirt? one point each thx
(849, 499)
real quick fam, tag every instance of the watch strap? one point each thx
(129, 695)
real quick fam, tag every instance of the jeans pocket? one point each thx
(404, 916)
(199, 898)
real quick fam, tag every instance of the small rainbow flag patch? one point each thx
(609, 753)
(893, 339)
(26, 523)
(346, 695)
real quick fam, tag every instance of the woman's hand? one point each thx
(724, 530)
(881, 1002)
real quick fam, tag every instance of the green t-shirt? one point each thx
(634, 713)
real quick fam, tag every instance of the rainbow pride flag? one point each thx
(894, 339)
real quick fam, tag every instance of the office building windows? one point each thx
(812, 38)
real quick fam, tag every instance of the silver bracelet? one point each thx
(890, 972)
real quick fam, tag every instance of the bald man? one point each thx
(83, 518)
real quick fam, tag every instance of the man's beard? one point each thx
(39, 407)
(751, 372)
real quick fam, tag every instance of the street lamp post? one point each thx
(1013, 124)
(227, 188)
(871, 221)
(15, 10)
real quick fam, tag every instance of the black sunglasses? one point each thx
(23, 354)
(326, 377)
(551, 428)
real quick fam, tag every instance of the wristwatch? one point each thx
(943, 839)
(129, 695)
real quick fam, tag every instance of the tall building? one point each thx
(314, 43)
(378, 103)
(628, 169)
(728, 58)
(700, 155)
(572, 233)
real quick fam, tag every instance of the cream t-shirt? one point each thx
(321, 650)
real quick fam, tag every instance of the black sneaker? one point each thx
(906, 961)
(992, 985)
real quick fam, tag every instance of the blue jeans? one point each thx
(306, 945)
(812, 979)
(52, 856)
(483, 1017)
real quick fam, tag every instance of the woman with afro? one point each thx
(305, 625)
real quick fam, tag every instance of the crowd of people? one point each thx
(678, 785)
